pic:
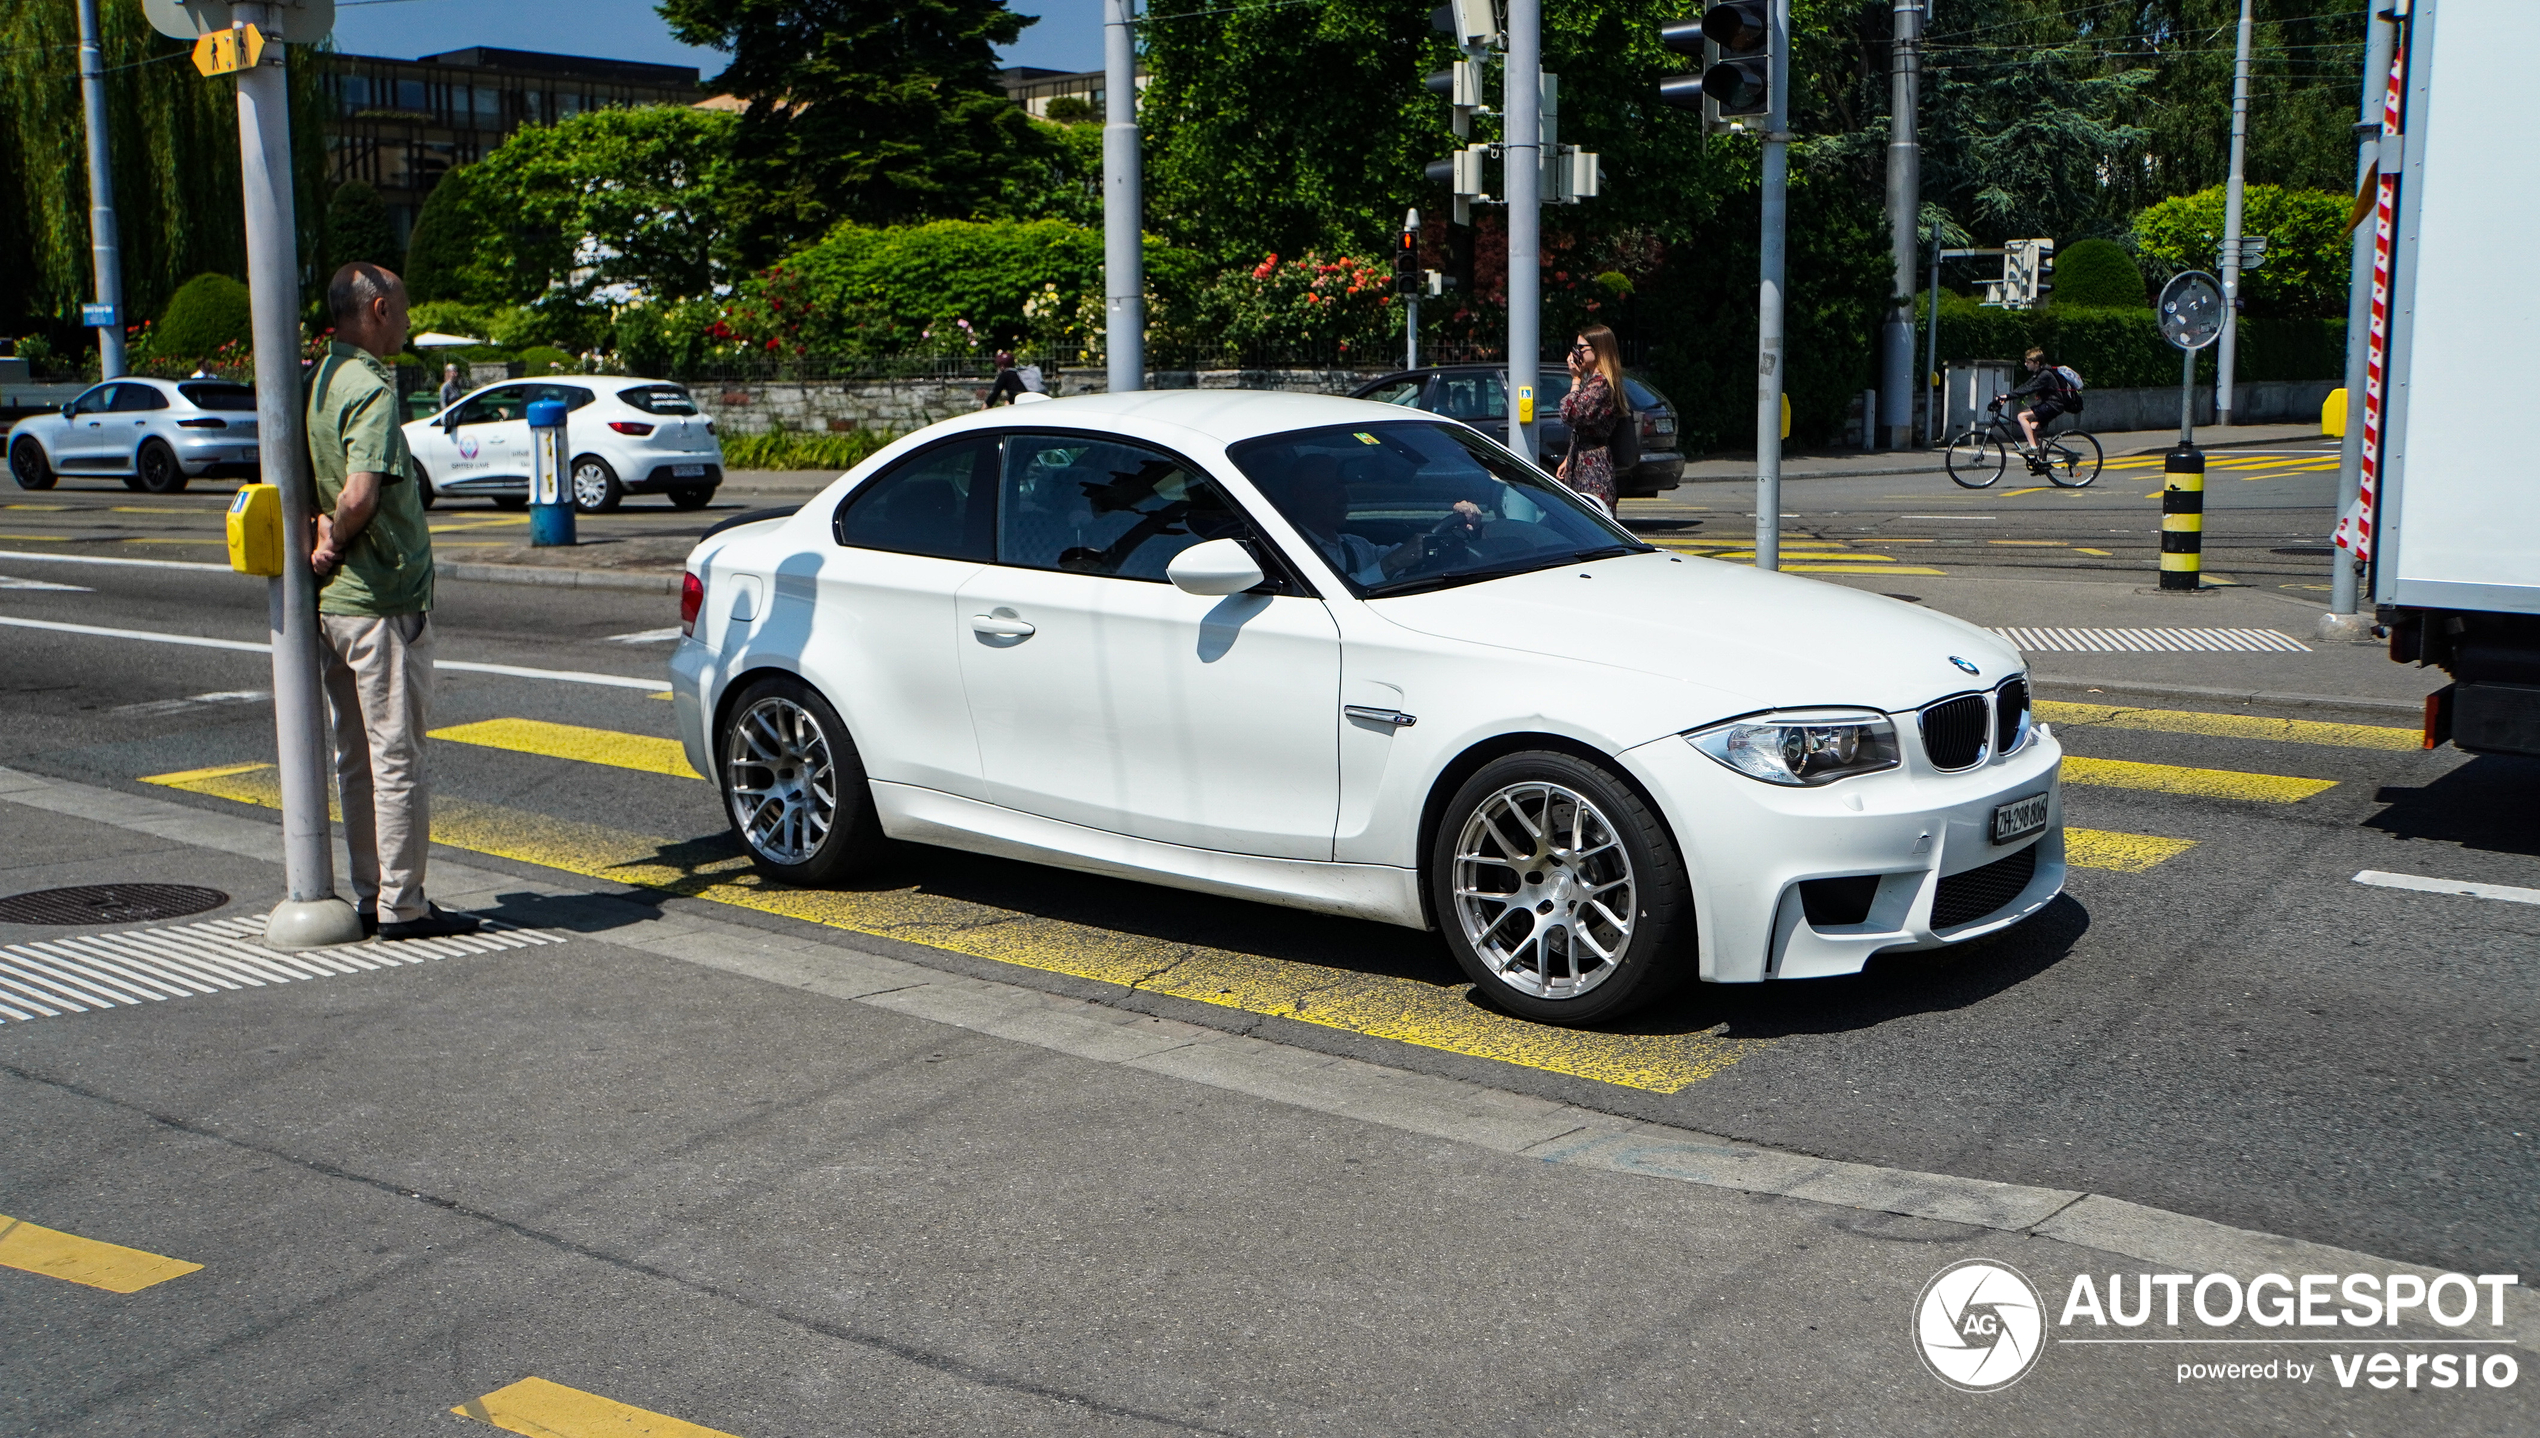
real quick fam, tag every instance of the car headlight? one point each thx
(1801, 749)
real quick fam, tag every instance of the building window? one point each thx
(410, 95)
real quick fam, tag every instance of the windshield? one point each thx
(1400, 508)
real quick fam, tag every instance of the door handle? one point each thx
(1002, 626)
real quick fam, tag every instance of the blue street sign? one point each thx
(97, 317)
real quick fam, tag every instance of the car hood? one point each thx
(1756, 639)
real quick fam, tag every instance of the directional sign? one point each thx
(2191, 310)
(2253, 252)
(226, 52)
(297, 22)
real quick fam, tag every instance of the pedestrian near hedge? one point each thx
(373, 560)
(1591, 410)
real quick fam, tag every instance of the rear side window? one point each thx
(226, 398)
(1473, 396)
(571, 396)
(1641, 395)
(657, 399)
(940, 503)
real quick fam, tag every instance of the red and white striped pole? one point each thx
(2354, 529)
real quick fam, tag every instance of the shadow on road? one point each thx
(2486, 804)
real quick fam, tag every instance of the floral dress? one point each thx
(1589, 409)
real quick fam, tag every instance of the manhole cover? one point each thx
(108, 904)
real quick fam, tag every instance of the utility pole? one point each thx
(2224, 357)
(2343, 578)
(1124, 279)
(1904, 210)
(1407, 280)
(1768, 311)
(104, 249)
(1521, 166)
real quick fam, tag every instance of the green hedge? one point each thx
(2123, 348)
(799, 449)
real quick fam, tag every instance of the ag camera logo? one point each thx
(1979, 1325)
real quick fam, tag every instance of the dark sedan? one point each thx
(1478, 395)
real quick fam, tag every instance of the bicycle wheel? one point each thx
(1975, 460)
(2072, 460)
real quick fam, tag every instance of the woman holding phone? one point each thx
(1592, 410)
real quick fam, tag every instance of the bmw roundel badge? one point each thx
(1963, 664)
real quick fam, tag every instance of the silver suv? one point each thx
(155, 435)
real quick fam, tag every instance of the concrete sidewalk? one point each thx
(769, 1179)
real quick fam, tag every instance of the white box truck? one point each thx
(2456, 543)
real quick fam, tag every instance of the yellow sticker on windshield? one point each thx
(1364, 437)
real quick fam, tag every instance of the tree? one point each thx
(206, 312)
(623, 205)
(876, 111)
(357, 229)
(441, 250)
(2305, 270)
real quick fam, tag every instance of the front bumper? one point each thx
(1750, 845)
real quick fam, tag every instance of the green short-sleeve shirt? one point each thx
(353, 430)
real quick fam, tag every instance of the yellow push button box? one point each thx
(1525, 404)
(255, 530)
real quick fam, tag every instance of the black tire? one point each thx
(693, 496)
(2072, 460)
(155, 470)
(511, 501)
(594, 486)
(775, 808)
(1975, 461)
(1649, 958)
(29, 465)
(423, 487)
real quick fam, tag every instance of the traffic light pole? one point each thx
(312, 915)
(2224, 357)
(2343, 579)
(1124, 282)
(1904, 210)
(1521, 149)
(103, 244)
(1768, 313)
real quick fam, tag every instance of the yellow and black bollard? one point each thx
(2183, 518)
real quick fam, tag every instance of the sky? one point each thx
(1068, 37)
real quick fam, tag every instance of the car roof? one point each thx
(1225, 416)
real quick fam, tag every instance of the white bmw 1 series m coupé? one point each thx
(1326, 653)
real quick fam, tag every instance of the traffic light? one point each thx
(1682, 37)
(1468, 22)
(1408, 279)
(1741, 81)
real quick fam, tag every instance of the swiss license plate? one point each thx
(2019, 818)
(686, 471)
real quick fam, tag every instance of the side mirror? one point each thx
(70, 409)
(1221, 566)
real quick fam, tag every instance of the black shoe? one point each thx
(437, 923)
(370, 922)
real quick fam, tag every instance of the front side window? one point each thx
(940, 503)
(1473, 396)
(1401, 508)
(95, 400)
(1099, 506)
(494, 406)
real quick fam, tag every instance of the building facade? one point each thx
(1033, 89)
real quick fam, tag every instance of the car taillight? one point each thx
(202, 424)
(628, 426)
(710, 429)
(692, 597)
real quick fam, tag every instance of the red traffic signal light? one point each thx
(1407, 277)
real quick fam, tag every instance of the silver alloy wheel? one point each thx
(590, 485)
(1544, 890)
(779, 781)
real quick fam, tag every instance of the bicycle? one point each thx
(1977, 458)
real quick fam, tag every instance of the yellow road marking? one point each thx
(44, 538)
(152, 509)
(2015, 493)
(1437, 1016)
(2231, 726)
(573, 741)
(2125, 853)
(1857, 569)
(2103, 554)
(1845, 555)
(476, 524)
(665, 694)
(551, 1410)
(143, 539)
(74, 1259)
(34, 506)
(2211, 783)
(2051, 543)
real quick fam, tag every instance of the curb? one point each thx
(560, 578)
(2227, 696)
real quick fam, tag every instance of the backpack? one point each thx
(1030, 374)
(2072, 381)
(1623, 445)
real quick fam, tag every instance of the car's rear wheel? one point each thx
(1561, 893)
(794, 787)
(595, 486)
(156, 469)
(423, 487)
(693, 496)
(28, 464)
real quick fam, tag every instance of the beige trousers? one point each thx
(378, 677)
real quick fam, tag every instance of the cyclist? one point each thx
(2054, 397)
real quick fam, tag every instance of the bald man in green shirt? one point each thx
(373, 559)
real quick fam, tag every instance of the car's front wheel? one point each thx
(28, 464)
(1561, 893)
(794, 786)
(156, 467)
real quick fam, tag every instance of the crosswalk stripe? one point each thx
(2230, 726)
(48, 978)
(2209, 783)
(551, 1410)
(2125, 853)
(2157, 640)
(33, 1248)
(574, 741)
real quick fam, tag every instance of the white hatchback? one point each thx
(628, 436)
(1323, 653)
